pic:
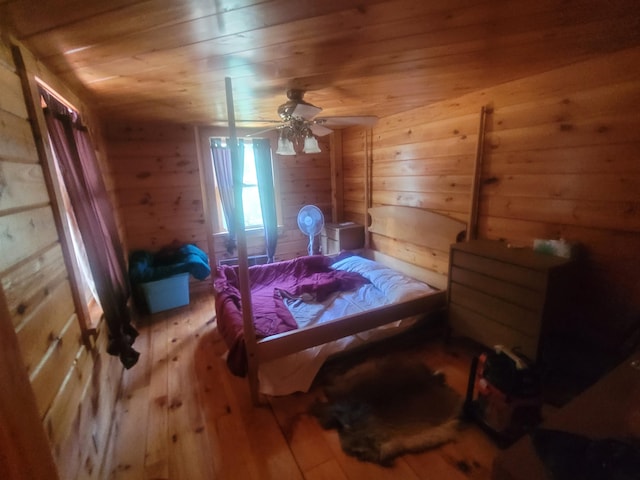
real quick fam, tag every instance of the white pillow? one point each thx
(396, 286)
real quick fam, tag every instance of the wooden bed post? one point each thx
(243, 263)
(472, 224)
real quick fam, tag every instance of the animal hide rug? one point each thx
(388, 406)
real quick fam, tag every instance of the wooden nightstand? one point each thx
(336, 237)
(509, 296)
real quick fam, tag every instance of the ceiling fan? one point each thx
(298, 124)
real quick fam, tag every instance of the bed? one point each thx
(306, 309)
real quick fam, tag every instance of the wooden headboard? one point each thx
(417, 240)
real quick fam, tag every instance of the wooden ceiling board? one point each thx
(167, 59)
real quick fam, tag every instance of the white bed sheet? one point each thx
(295, 372)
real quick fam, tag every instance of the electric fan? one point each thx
(310, 222)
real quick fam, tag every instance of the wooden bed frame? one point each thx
(430, 231)
(420, 227)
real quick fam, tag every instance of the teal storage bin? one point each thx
(167, 293)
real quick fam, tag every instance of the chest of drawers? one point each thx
(508, 296)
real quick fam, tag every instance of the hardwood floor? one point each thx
(183, 416)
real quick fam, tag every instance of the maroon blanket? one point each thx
(310, 277)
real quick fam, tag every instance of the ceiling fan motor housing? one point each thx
(296, 107)
(299, 122)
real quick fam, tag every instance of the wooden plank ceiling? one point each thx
(167, 59)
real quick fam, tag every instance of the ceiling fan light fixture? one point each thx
(311, 145)
(299, 127)
(285, 147)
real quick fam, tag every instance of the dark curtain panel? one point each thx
(224, 177)
(264, 171)
(93, 211)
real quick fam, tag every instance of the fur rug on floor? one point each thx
(388, 406)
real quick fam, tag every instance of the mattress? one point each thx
(384, 286)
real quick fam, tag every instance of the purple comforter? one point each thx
(307, 277)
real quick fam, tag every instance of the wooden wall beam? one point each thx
(368, 161)
(337, 177)
(472, 224)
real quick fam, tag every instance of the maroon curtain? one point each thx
(93, 211)
(224, 177)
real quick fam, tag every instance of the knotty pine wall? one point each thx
(304, 180)
(157, 181)
(157, 178)
(70, 386)
(561, 160)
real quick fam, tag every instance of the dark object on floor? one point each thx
(569, 456)
(385, 407)
(608, 409)
(579, 353)
(122, 346)
(503, 395)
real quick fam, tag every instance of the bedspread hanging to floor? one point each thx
(310, 278)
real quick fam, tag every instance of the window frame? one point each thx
(210, 196)
(219, 226)
(218, 218)
(89, 313)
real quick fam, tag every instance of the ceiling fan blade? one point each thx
(320, 130)
(305, 111)
(363, 121)
(257, 121)
(255, 134)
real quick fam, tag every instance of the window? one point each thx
(250, 193)
(71, 239)
(86, 284)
